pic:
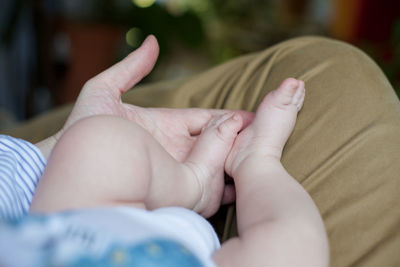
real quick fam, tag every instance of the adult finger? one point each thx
(125, 74)
(196, 118)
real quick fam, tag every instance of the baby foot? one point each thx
(274, 121)
(207, 160)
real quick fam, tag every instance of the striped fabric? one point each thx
(21, 166)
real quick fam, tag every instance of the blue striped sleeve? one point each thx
(21, 166)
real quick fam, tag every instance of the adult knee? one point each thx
(316, 47)
(327, 61)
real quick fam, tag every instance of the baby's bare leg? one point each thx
(103, 161)
(106, 161)
(278, 223)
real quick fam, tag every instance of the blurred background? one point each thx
(49, 48)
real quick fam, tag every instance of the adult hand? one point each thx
(175, 129)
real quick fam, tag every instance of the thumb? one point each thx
(125, 74)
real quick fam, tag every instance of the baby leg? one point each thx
(278, 223)
(99, 161)
(106, 161)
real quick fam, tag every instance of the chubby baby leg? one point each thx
(107, 160)
(278, 223)
(99, 161)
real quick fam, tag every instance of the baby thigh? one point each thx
(99, 161)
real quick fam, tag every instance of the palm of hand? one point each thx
(101, 95)
(168, 128)
(165, 125)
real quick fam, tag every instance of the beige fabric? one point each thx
(345, 149)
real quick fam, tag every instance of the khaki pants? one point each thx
(345, 148)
